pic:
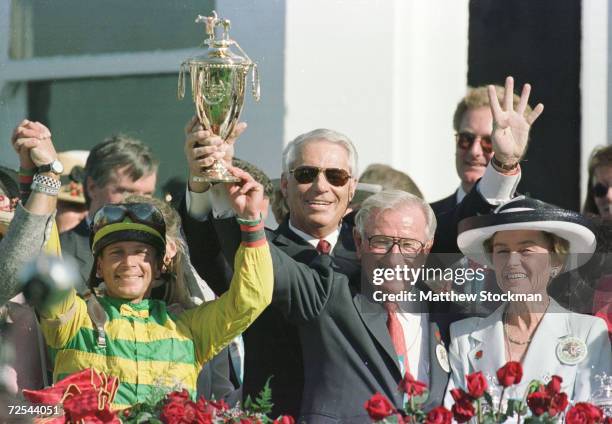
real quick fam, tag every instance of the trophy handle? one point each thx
(255, 88)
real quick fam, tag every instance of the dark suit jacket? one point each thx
(76, 244)
(347, 350)
(444, 205)
(272, 344)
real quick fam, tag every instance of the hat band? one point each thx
(122, 226)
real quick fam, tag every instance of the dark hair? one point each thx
(257, 174)
(117, 152)
(601, 156)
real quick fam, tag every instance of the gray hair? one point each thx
(290, 151)
(392, 199)
(118, 152)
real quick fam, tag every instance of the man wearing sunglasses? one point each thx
(473, 125)
(318, 181)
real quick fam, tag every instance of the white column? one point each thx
(259, 27)
(596, 123)
(387, 73)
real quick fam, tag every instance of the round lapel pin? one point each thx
(571, 350)
(442, 357)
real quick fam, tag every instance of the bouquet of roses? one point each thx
(178, 408)
(546, 402)
(86, 397)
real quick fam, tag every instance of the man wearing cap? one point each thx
(116, 167)
(136, 339)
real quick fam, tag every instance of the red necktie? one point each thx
(323, 247)
(397, 334)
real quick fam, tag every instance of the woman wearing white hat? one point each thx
(528, 243)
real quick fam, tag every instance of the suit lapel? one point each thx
(82, 250)
(437, 376)
(375, 320)
(552, 328)
(488, 352)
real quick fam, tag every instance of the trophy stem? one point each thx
(218, 173)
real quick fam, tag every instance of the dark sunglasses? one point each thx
(307, 174)
(600, 190)
(466, 139)
(143, 213)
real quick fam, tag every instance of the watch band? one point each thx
(502, 166)
(45, 185)
(56, 167)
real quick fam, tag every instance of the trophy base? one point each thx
(218, 173)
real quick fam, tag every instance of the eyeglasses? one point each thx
(143, 213)
(307, 174)
(466, 139)
(600, 190)
(381, 245)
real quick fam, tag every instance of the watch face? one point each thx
(57, 167)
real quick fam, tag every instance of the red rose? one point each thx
(439, 415)
(206, 407)
(459, 395)
(463, 411)
(284, 419)
(412, 387)
(584, 413)
(554, 385)
(510, 374)
(538, 402)
(558, 403)
(221, 405)
(378, 407)
(172, 412)
(476, 384)
(178, 396)
(607, 420)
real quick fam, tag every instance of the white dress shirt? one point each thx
(416, 335)
(332, 238)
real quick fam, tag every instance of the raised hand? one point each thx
(202, 148)
(511, 127)
(32, 142)
(247, 196)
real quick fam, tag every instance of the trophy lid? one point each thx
(218, 50)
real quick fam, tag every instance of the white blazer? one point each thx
(478, 344)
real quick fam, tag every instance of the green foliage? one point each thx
(263, 402)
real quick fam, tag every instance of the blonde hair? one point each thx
(478, 97)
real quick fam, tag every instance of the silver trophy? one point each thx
(218, 82)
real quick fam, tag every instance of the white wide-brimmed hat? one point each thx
(522, 213)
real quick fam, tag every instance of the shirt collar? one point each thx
(332, 238)
(460, 194)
